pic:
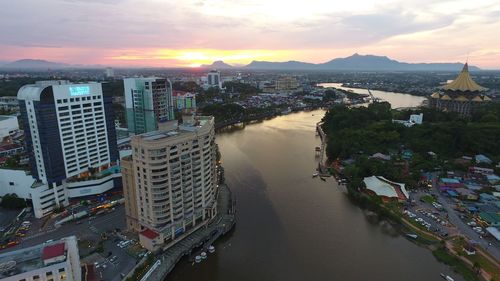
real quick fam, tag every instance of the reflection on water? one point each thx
(291, 226)
(395, 99)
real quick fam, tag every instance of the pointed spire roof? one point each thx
(464, 82)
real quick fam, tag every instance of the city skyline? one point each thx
(188, 34)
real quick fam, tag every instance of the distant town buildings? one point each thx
(9, 104)
(184, 100)
(109, 72)
(148, 103)
(57, 261)
(170, 182)
(213, 79)
(71, 141)
(462, 95)
(287, 83)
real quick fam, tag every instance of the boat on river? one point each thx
(322, 178)
(414, 236)
(197, 259)
(447, 277)
(315, 174)
(211, 249)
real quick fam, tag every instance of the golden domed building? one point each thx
(462, 95)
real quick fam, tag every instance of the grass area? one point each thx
(84, 244)
(484, 263)
(458, 266)
(428, 199)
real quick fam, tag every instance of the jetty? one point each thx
(322, 169)
(204, 236)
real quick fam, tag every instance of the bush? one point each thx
(11, 201)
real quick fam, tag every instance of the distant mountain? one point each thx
(217, 65)
(358, 62)
(280, 65)
(34, 64)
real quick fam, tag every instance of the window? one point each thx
(11, 183)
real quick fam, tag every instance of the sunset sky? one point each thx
(194, 32)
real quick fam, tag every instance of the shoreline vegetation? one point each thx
(353, 134)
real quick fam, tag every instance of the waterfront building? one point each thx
(148, 103)
(214, 79)
(57, 261)
(462, 95)
(170, 182)
(184, 100)
(385, 188)
(71, 141)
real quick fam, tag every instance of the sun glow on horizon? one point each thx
(198, 57)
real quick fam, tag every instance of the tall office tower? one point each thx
(213, 79)
(71, 140)
(148, 102)
(58, 260)
(170, 182)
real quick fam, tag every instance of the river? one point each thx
(291, 226)
(395, 99)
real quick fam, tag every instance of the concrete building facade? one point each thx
(170, 182)
(148, 103)
(71, 140)
(55, 261)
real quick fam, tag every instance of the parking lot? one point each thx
(430, 215)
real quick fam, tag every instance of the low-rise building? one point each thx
(55, 261)
(8, 125)
(386, 189)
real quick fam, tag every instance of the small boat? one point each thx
(414, 236)
(317, 148)
(447, 277)
(211, 249)
(197, 259)
(203, 255)
(315, 175)
(322, 178)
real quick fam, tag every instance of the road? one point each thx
(103, 222)
(466, 230)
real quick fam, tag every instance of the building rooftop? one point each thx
(199, 122)
(28, 259)
(53, 251)
(150, 234)
(464, 83)
(5, 117)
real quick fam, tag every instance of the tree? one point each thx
(12, 201)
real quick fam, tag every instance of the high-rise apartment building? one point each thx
(148, 102)
(71, 141)
(170, 182)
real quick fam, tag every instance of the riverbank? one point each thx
(443, 249)
(202, 238)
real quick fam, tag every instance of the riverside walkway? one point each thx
(202, 237)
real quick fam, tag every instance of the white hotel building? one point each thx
(71, 139)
